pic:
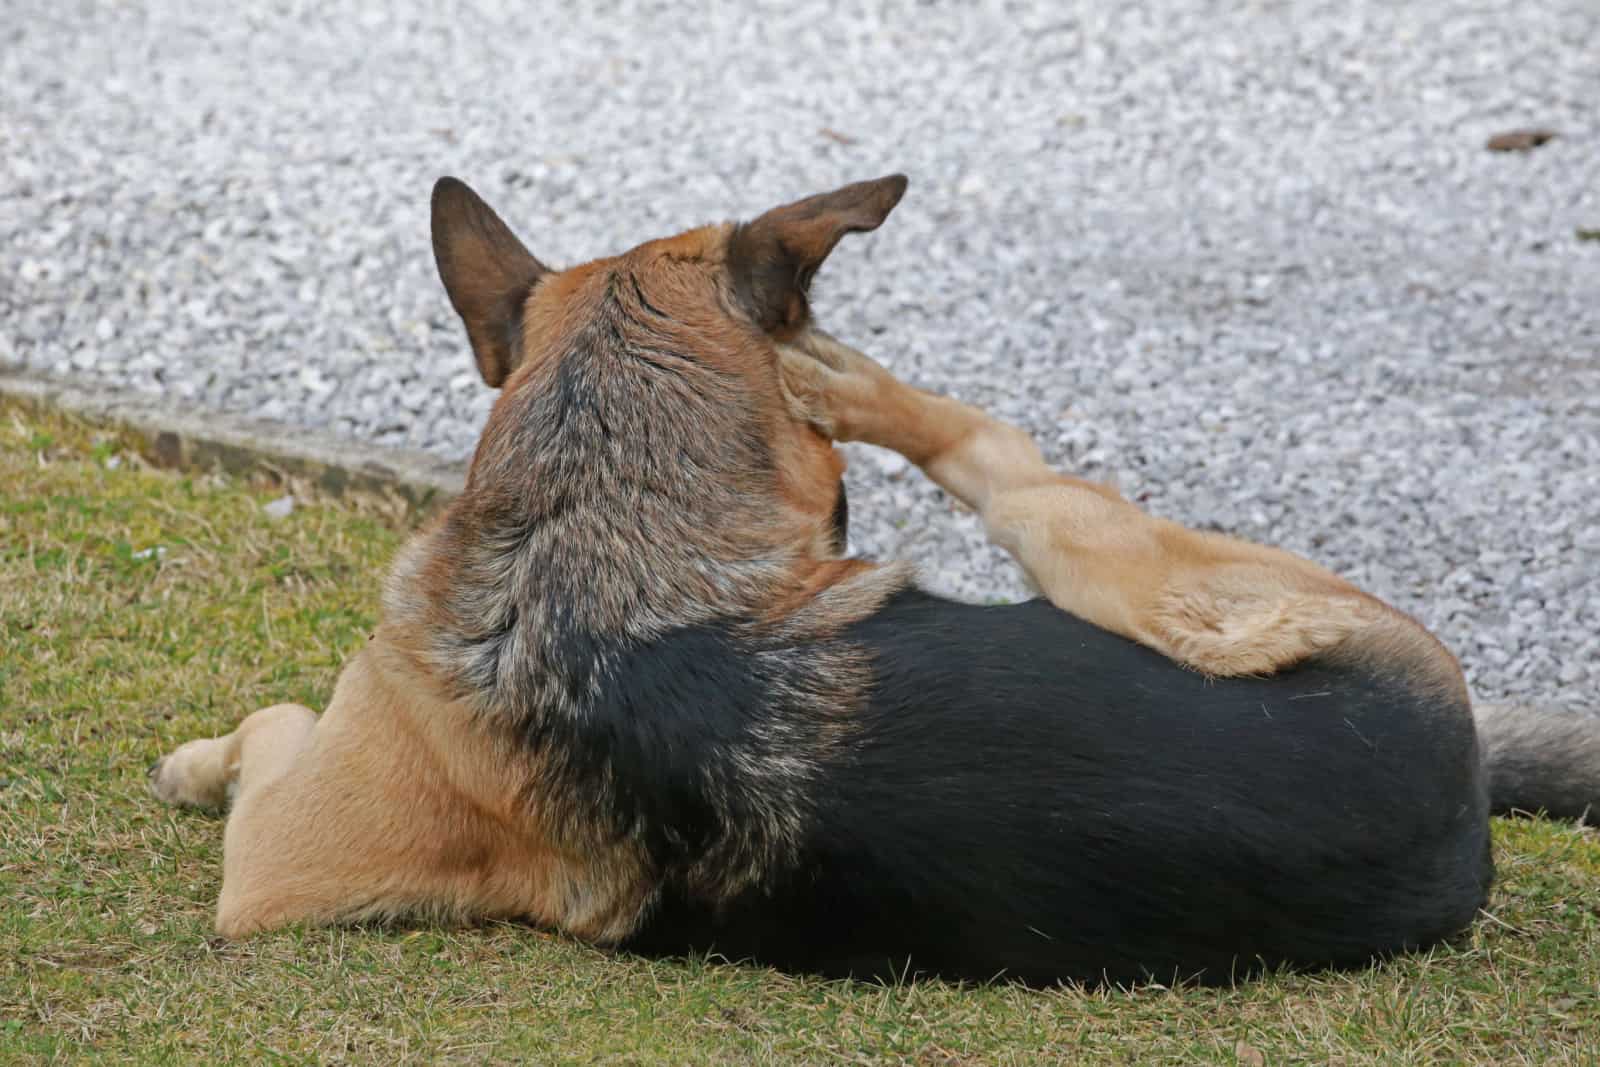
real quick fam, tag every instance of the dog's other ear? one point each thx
(487, 273)
(771, 260)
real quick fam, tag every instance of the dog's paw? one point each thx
(832, 386)
(194, 775)
(844, 359)
(809, 389)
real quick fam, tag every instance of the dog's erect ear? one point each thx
(487, 273)
(772, 259)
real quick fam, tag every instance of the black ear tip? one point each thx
(450, 189)
(880, 196)
(888, 190)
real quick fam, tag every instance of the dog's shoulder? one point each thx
(705, 742)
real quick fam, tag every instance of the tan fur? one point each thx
(394, 801)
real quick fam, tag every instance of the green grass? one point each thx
(111, 654)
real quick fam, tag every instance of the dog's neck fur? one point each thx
(627, 483)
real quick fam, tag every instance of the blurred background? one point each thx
(1254, 262)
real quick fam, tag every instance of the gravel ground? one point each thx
(1252, 261)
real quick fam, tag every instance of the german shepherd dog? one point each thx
(627, 686)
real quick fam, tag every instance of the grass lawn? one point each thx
(141, 608)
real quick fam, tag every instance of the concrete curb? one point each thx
(241, 445)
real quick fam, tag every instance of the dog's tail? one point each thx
(1541, 758)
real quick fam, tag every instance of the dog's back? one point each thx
(1028, 795)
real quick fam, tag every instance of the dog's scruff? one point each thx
(626, 686)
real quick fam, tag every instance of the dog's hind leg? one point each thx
(206, 773)
(354, 815)
(1219, 605)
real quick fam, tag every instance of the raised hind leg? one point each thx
(1216, 604)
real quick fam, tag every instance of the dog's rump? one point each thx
(1029, 796)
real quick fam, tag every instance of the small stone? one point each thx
(1519, 140)
(279, 508)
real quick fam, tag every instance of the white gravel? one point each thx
(1250, 259)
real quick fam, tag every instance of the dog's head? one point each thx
(642, 450)
(677, 334)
